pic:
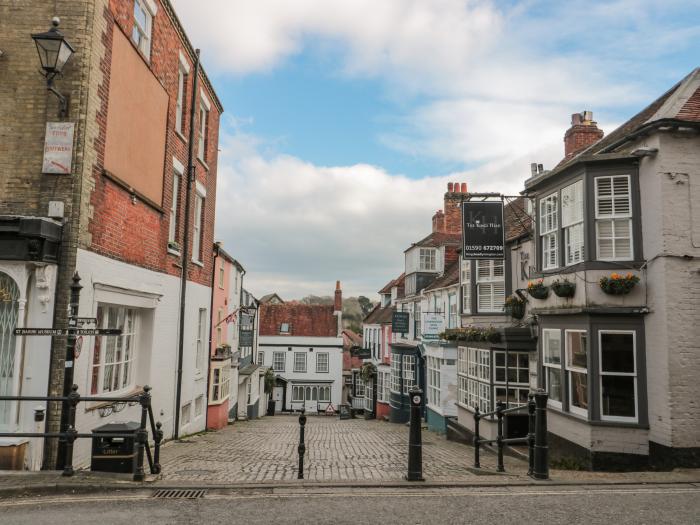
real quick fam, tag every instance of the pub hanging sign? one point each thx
(483, 234)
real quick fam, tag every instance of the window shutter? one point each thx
(499, 295)
(484, 299)
(613, 196)
(572, 204)
(483, 270)
(621, 196)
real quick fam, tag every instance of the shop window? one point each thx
(551, 350)
(618, 371)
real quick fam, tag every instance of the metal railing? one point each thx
(140, 436)
(536, 439)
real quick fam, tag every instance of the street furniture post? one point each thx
(531, 406)
(500, 406)
(71, 432)
(541, 466)
(142, 434)
(415, 445)
(302, 447)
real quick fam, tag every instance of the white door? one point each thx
(311, 398)
(277, 395)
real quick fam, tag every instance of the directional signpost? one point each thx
(56, 332)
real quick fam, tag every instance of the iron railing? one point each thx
(71, 434)
(536, 439)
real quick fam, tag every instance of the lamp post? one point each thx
(54, 51)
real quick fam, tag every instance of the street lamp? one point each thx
(54, 51)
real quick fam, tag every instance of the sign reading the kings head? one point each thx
(482, 230)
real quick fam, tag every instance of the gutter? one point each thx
(191, 174)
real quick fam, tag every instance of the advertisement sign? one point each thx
(483, 234)
(400, 322)
(246, 338)
(433, 326)
(58, 148)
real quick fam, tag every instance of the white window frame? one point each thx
(409, 372)
(276, 360)
(261, 357)
(200, 341)
(396, 373)
(517, 386)
(204, 111)
(297, 368)
(182, 74)
(124, 381)
(575, 369)
(319, 368)
(359, 386)
(549, 230)
(178, 175)
(614, 217)
(220, 385)
(142, 36)
(434, 371)
(466, 286)
(552, 402)
(635, 375)
(572, 222)
(427, 259)
(284, 328)
(490, 286)
(197, 229)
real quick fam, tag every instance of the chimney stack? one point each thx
(452, 210)
(338, 303)
(583, 132)
(439, 221)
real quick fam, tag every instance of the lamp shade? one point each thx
(54, 50)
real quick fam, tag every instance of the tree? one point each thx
(365, 304)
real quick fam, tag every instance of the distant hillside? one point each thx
(354, 309)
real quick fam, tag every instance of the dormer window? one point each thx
(427, 260)
(284, 328)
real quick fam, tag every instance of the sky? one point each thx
(345, 119)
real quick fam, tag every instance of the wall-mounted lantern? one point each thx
(54, 51)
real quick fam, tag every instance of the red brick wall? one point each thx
(130, 229)
(304, 319)
(579, 137)
(452, 209)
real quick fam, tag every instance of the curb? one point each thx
(88, 488)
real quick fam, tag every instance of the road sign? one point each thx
(55, 332)
(85, 320)
(482, 230)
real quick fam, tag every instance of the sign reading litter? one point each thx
(400, 322)
(58, 148)
(482, 230)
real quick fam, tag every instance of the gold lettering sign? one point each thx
(5, 295)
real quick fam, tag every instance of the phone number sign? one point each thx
(483, 233)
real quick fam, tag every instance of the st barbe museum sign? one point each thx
(483, 234)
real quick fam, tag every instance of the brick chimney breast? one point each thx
(452, 211)
(338, 303)
(583, 132)
(439, 221)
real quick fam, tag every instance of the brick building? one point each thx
(303, 345)
(117, 216)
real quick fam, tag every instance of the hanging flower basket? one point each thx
(537, 289)
(564, 288)
(618, 284)
(368, 371)
(515, 307)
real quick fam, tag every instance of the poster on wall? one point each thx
(433, 326)
(58, 148)
(482, 230)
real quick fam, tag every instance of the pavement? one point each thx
(262, 454)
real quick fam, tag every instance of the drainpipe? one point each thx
(186, 244)
(211, 329)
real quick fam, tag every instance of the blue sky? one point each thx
(346, 118)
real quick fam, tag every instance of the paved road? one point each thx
(677, 504)
(356, 449)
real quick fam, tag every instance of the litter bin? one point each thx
(271, 407)
(114, 454)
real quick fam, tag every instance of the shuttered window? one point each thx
(572, 222)
(466, 287)
(613, 213)
(549, 222)
(490, 285)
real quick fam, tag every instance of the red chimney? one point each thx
(338, 303)
(452, 211)
(439, 221)
(583, 132)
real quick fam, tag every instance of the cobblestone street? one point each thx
(349, 450)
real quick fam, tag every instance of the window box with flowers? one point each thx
(515, 307)
(537, 289)
(563, 288)
(618, 284)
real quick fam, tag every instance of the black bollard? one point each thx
(541, 464)
(477, 442)
(530, 433)
(415, 445)
(302, 447)
(500, 406)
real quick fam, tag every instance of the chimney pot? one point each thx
(464, 187)
(533, 168)
(449, 187)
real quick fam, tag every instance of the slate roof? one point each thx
(518, 222)
(380, 315)
(436, 239)
(269, 297)
(679, 104)
(449, 278)
(314, 320)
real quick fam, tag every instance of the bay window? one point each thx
(618, 375)
(114, 355)
(549, 224)
(551, 350)
(490, 285)
(613, 214)
(572, 222)
(396, 373)
(511, 374)
(577, 371)
(220, 385)
(434, 380)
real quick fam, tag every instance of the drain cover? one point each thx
(179, 493)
